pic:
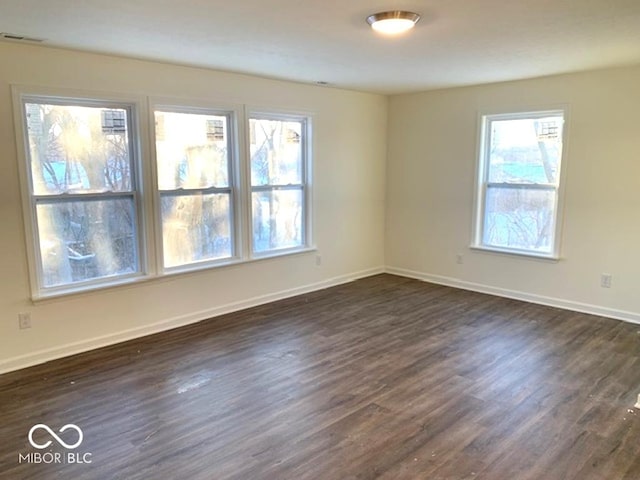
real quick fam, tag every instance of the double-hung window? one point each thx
(519, 179)
(103, 206)
(279, 182)
(194, 165)
(83, 206)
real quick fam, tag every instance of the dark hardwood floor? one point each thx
(385, 377)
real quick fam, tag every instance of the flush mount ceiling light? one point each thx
(394, 22)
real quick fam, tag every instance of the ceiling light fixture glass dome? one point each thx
(393, 22)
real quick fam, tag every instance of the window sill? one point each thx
(283, 252)
(164, 276)
(199, 267)
(528, 255)
(74, 290)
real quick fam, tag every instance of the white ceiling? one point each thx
(457, 42)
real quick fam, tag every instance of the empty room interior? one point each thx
(320, 240)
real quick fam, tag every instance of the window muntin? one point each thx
(194, 169)
(82, 191)
(278, 149)
(519, 183)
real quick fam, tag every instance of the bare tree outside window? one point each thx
(194, 171)
(277, 183)
(521, 173)
(81, 177)
(85, 209)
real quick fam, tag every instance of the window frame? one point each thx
(306, 149)
(144, 183)
(134, 105)
(234, 190)
(482, 184)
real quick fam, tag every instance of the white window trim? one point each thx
(480, 183)
(136, 107)
(149, 226)
(306, 118)
(234, 114)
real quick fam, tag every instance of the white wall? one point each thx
(349, 186)
(429, 174)
(430, 183)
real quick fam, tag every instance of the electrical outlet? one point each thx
(24, 320)
(318, 260)
(605, 280)
(459, 259)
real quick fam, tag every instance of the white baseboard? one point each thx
(74, 348)
(624, 315)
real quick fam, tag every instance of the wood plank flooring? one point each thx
(385, 378)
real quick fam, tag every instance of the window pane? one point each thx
(191, 150)
(525, 150)
(86, 240)
(195, 228)
(277, 219)
(276, 152)
(78, 149)
(519, 218)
